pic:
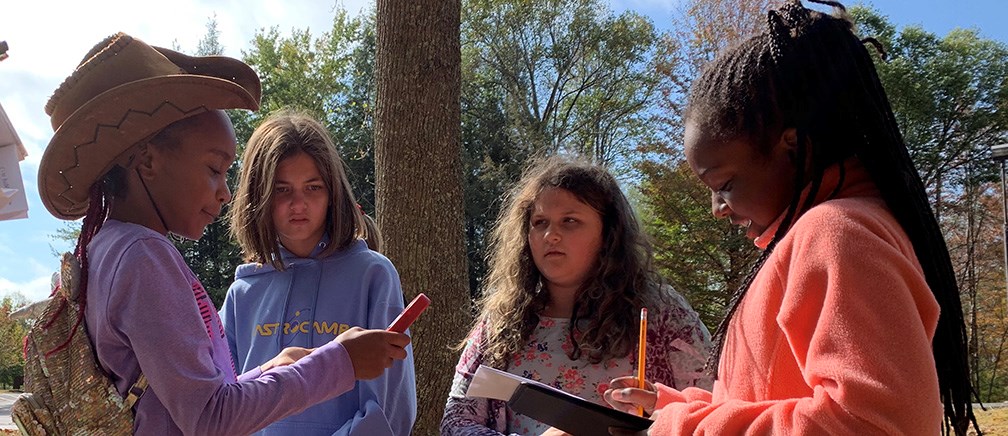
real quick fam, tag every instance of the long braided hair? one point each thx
(97, 211)
(808, 70)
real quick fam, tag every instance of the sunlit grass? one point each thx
(992, 421)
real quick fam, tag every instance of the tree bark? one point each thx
(418, 181)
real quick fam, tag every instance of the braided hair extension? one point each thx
(808, 70)
(97, 212)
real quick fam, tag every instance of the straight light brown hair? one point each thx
(283, 135)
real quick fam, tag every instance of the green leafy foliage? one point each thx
(573, 76)
(704, 258)
(949, 95)
(12, 333)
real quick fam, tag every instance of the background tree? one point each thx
(491, 164)
(353, 123)
(948, 95)
(574, 76)
(704, 258)
(541, 78)
(419, 180)
(974, 236)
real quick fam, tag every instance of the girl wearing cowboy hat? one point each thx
(141, 150)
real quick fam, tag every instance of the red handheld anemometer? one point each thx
(410, 314)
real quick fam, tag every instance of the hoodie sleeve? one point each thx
(387, 404)
(464, 416)
(678, 344)
(172, 350)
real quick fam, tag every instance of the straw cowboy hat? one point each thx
(121, 94)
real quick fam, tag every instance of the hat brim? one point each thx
(104, 129)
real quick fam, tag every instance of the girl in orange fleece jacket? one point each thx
(851, 321)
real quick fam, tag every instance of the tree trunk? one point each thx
(418, 181)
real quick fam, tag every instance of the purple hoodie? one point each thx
(147, 311)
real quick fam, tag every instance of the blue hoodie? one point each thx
(308, 305)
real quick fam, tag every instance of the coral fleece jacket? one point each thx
(833, 337)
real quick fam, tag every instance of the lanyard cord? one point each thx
(151, 198)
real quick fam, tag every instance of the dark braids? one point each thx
(809, 71)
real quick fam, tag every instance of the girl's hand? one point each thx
(624, 395)
(552, 431)
(286, 357)
(372, 351)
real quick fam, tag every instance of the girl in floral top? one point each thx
(569, 274)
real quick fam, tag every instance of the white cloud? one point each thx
(35, 289)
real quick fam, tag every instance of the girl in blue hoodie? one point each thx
(310, 275)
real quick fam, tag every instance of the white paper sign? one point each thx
(13, 202)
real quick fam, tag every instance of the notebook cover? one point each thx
(571, 414)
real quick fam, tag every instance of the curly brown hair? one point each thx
(607, 304)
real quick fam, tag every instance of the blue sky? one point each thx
(47, 45)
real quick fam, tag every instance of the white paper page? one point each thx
(493, 383)
(500, 385)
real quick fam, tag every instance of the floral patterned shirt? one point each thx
(678, 344)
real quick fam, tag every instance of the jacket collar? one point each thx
(850, 176)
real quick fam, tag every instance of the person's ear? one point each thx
(143, 161)
(788, 143)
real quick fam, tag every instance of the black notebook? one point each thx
(551, 406)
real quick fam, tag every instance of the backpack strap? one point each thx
(136, 391)
(69, 286)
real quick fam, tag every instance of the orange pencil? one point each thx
(641, 354)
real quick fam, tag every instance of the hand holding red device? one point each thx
(410, 314)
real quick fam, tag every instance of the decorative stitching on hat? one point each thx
(114, 127)
(109, 46)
